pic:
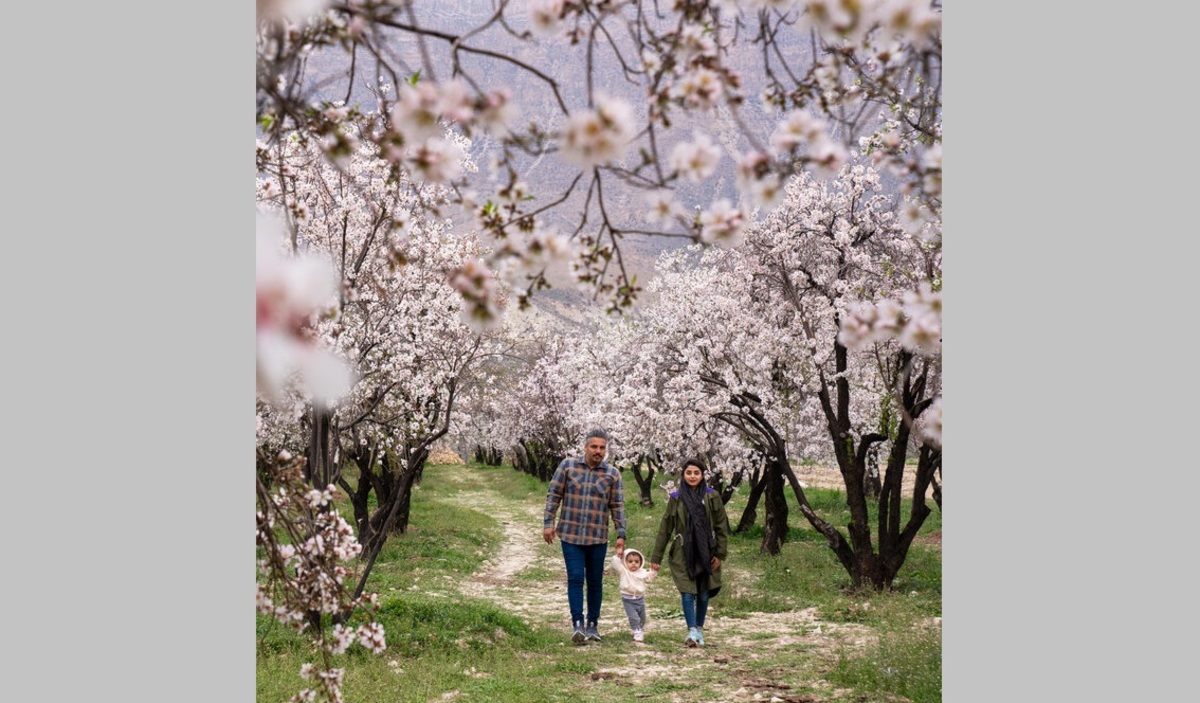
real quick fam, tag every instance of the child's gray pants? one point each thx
(635, 608)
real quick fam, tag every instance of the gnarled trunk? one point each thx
(758, 483)
(645, 484)
(775, 523)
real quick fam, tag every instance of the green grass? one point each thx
(907, 662)
(440, 642)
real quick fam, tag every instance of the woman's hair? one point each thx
(694, 462)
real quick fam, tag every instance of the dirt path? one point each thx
(496, 579)
(741, 651)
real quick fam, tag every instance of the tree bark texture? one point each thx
(758, 484)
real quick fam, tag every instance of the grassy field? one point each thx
(785, 627)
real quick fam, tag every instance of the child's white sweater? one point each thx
(633, 583)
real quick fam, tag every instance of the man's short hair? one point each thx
(597, 432)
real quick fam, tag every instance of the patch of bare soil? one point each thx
(496, 579)
(736, 664)
(819, 476)
(933, 539)
(444, 455)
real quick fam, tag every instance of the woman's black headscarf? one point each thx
(699, 543)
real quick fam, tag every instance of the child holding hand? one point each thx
(633, 588)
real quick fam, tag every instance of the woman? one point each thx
(697, 529)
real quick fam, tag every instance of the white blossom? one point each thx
(595, 137)
(721, 224)
(697, 159)
(545, 17)
(699, 89)
(662, 207)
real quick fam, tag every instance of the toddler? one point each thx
(633, 589)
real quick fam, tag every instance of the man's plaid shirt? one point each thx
(584, 498)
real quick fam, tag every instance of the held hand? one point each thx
(654, 567)
(548, 535)
(716, 563)
(621, 547)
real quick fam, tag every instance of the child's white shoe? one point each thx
(637, 636)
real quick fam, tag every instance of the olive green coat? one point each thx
(670, 532)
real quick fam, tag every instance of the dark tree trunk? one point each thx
(895, 538)
(540, 459)
(857, 555)
(395, 501)
(866, 566)
(410, 476)
(404, 497)
(727, 489)
(758, 483)
(383, 482)
(489, 456)
(934, 470)
(775, 522)
(645, 484)
(364, 456)
(521, 460)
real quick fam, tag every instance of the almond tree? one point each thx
(829, 247)
(728, 361)
(403, 325)
(304, 545)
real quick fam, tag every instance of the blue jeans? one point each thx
(695, 607)
(585, 562)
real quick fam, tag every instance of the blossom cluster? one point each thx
(304, 546)
(915, 320)
(291, 293)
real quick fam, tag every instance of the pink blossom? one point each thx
(662, 207)
(695, 42)
(594, 137)
(343, 637)
(545, 16)
(721, 224)
(700, 89)
(757, 182)
(799, 127)
(417, 110)
(454, 104)
(697, 159)
(371, 636)
(294, 11)
(290, 293)
(476, 283)
(436, 160)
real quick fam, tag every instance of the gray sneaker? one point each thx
(592, 632)
(578, 635)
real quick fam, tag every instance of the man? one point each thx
(588, 491)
